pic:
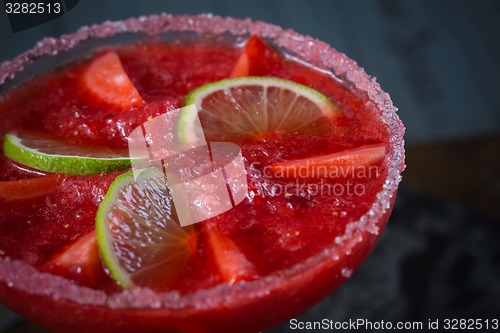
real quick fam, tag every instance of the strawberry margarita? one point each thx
(320, 141)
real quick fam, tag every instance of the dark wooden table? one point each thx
(466, 172)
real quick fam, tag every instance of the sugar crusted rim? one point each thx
(24, 277)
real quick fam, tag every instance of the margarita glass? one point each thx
(61, 305)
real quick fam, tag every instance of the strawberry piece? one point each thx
(107, 84)
(78, 261)
(232, 263)
(257, 59)
(343, 164)
(29, 188)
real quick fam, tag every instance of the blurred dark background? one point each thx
(439, 61)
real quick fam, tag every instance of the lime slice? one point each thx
(138, 236)
(256, 106)
(46, 153)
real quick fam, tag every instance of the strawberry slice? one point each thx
(78, 261)
(257, 59)
(232, 263)
(29, 188)
(343, 164)
(107, 84)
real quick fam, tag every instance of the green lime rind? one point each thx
(184, 127)
(196, 96)
(14, 149)
(103, 233)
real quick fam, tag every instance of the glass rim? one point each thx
(28, 279)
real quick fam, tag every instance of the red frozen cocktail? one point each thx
(320, 141)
